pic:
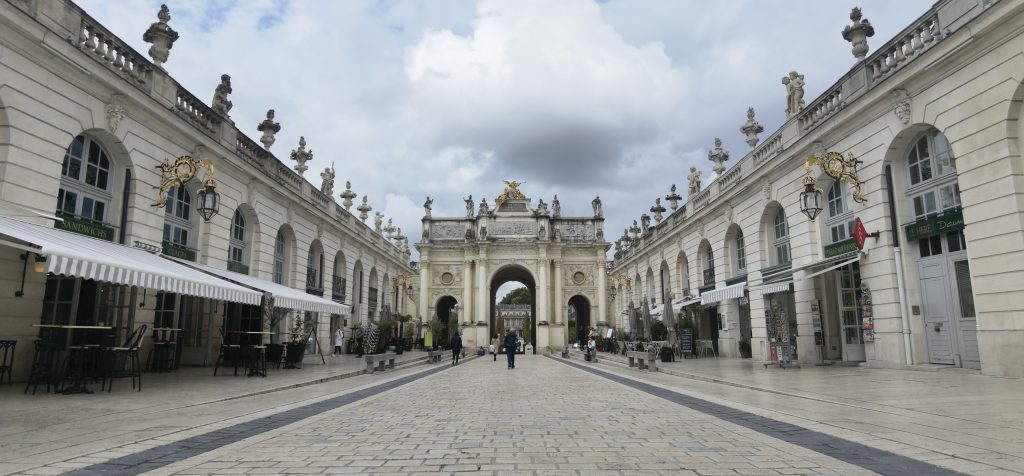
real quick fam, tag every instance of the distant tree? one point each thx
(518, 296)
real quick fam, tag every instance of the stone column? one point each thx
(558, 313)
(602, 291)
(424, 292)
(467, 292)
(543, 298)
(482, 299)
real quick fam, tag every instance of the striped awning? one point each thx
(772, 288)
(681, 303)
(284, 297)
(728, 292)
(71, 254)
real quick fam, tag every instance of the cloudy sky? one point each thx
(444, 98)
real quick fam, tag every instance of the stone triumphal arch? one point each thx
(463, 261)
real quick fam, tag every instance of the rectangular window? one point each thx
(782, 253)
(964, 289)
(235, 254)
(955, 241)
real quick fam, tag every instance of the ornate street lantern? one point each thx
(843, 169)
(182, 171)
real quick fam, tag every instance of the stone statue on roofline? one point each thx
(221, 105)
(427, 207)
(794, 93)
(556, 207)
(694, 178)
(327, 186)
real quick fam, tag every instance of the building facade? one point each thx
(464, 260)
(933, 116)
(85, 123)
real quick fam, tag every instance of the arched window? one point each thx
(741, 254)
(236, 244)
(279, 258)
(780, 241)
(706, 259)
(840, 215)
(934, 189)
(932, 170)
(178, 217)
(85, 184)
(314, 270)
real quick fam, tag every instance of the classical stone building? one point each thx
(85, 121)
(933, 116)
(463, 261)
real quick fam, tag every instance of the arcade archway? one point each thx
(579, 319)
(447, 307)
(528, 332)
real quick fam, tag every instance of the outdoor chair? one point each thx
(228, 352)
(123, 361)
(45, 367)
(7, 359)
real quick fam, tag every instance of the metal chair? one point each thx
(7, 359)
(228, 351)
(123, 362)
(706, 347)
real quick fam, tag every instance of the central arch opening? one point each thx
(513, 312)
(447, 308)
(579, 320)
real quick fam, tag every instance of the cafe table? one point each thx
(78, 357)
(257, 364)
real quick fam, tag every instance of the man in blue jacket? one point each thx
(456, 348)
(511, 342)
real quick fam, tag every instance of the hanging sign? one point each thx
(859, 233)
(952, 220)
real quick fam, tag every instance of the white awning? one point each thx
(830, 268)
(284, 297)
(728, 292)
(656, 310)
(71, 254)
(772, 288)
(681, 303)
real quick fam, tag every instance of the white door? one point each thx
(936, 307)
(967, 323)
(850, 312)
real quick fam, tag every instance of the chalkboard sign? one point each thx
(686, 341)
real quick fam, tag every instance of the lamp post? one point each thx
(833, 164)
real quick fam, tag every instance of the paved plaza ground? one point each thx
(548, 416)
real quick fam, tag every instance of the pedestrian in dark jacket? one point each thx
(511, 342)
(456, 348)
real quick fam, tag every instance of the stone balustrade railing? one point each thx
(732, 177)
(104, 46)
(768, 149)
(821, 109)
(287, 177)
(702, 199)
(250, 150)
(905, 47)
(196, 112)
(323, 201)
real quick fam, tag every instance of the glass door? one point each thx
(850, 312)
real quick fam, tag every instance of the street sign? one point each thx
(859, 233)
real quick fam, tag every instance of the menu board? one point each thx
(686, 341)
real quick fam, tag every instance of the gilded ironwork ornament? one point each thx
(184, 169)
(511, 192)
(833, 164)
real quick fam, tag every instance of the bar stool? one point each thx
(227, 352)
(7, 359)
(257, 361)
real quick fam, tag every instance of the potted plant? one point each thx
(666, 354)
(387, 330)
(744, 345)
(297, 345)
(436, 328)
(403, 332)
(408, 333)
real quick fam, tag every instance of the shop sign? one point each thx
(237, 267)
(180, 252)
(83, 227)
(859, 233)
(841, 247)
(952, 220)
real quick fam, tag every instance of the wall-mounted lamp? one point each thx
(843, 169)
(39, 266)
(181, 172)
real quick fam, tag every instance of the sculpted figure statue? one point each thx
(327, 187)
(794, 93)
(542, 208)
(556, 207)
(484, 209)
(469, 206)
(427, 207)
(694, 179)
(221, 105)
(596, 203)
(378, 219)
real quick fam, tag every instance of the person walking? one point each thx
(456, 348)
(339, 339)
(495, 345)
(359, 341)
(511, 342)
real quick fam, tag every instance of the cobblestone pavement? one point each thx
(544, 417)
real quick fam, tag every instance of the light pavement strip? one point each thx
(879, 461)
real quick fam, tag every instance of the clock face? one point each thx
(447, 278)
(578, 277)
